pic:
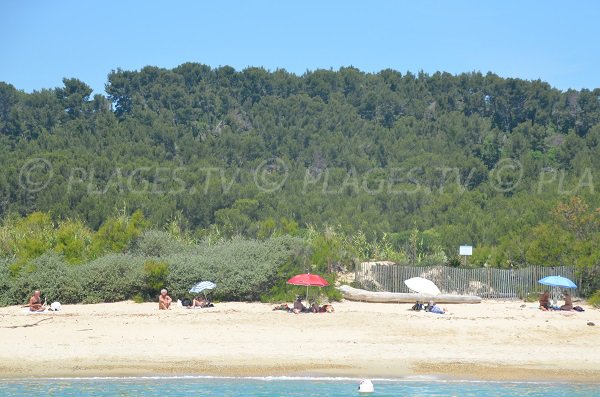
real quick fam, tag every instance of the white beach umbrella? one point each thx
(202, 286)
(422, 286)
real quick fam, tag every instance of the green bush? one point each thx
(5, 282)
(590, 280)
(118, 232)
(138, 298)
(454, 261)
(242, 269)
(155, 278)
(111, 278)
(184, 271)
(594, 300)
(50, 274)
(158, 244)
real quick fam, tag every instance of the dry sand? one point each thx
(492, 340)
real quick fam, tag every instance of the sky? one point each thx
(555, 41)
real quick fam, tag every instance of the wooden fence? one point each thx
(487, 283)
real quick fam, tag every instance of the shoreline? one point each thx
(407, 379)
(491, 341)
(528, 376)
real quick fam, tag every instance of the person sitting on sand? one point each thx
(568, 302)
(314, 307)
(298, 306)
(35, 302)
(545, 301)
(164, 300)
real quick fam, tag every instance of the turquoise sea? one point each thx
(285, 387)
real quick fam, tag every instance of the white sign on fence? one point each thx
(465, 250)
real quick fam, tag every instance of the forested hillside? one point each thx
(417, 163)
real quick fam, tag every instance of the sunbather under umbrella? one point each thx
(557, 281)
(202, 286)
(310, 280)
(422, 286)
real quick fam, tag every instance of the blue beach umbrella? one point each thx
(202, 286)
(557, 281)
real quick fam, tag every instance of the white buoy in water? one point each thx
(366, 386)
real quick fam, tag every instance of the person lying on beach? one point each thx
(434, 308)
(200, 301)
(283, 307)
(545, 301)
(315, 308)
(299, 307)
(35, 302)
(164, 300)
(568, 302)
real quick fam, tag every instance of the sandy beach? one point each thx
(488, 341)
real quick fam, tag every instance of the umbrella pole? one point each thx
(307, 294)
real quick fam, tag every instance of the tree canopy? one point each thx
(458, 159)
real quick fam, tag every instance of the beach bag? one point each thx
(55, 306)
(186, 302)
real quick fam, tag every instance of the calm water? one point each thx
(283, 387)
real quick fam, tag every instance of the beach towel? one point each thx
(200, 307)
(27, 311)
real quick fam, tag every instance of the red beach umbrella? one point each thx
(310, 280)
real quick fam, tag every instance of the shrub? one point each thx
(73, 240)
(52, 276)
(138, 298)
(453, 261)
(242, 269)
(590, 280)
(5, 282)
(111, 278)
(158, 244)
(117, 233)
(594, 300)
(155, 277)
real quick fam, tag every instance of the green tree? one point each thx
(118, 232)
